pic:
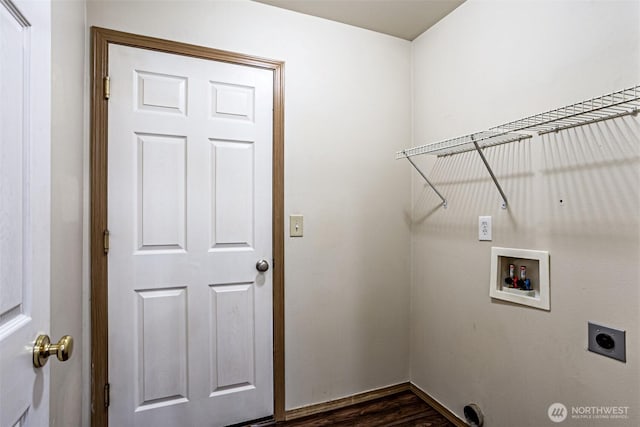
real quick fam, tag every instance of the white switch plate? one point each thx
(484, 228)
(296, 225)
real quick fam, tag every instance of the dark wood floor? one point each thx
(399, 410)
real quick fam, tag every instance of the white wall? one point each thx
(67, 181)
(347, 111)
(485, 64)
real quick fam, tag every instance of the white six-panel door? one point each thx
(189, 214)
(24, 208)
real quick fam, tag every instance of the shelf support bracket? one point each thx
(444, 201)
(493, 177)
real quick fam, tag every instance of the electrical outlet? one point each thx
(607, 341)
(484, 228)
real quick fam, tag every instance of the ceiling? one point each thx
(406, 19)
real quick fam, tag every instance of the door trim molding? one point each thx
(100, 40)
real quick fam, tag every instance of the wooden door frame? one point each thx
(100, 40)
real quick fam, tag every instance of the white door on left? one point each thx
(24, 208)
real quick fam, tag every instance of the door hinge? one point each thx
(105, 242)
(107, 395)
(107, 87)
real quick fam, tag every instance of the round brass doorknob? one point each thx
(262, 265)
(43, 348)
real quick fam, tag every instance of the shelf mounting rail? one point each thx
(493, 176)
(444, 201)
(616, 104)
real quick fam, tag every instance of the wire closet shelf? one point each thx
(616, 104)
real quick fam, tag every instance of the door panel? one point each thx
(161, 92)
(162, 318)
(14, 52)
(232, 347)
(24, 208)
(189, 178)
(161, 175)
(232, 198)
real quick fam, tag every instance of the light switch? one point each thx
(296, 223)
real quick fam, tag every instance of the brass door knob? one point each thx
(43, 348)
